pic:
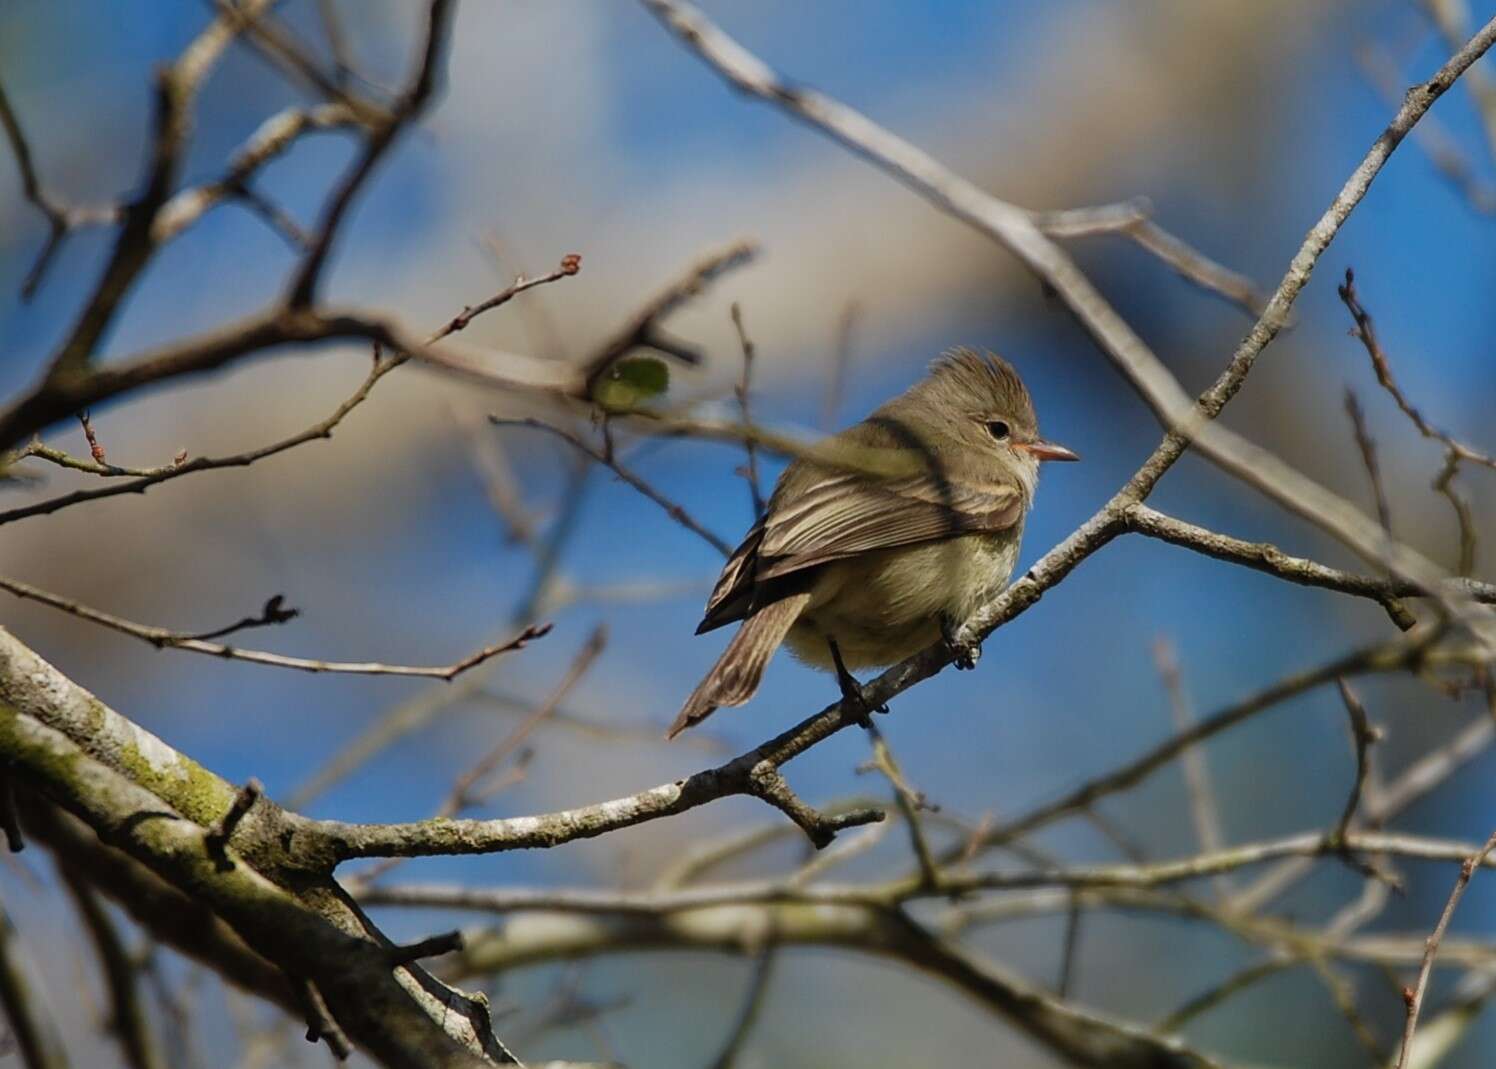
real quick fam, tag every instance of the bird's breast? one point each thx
(883, 606)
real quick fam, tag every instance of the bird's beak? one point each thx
(1048, 450)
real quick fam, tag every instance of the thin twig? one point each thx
(1203, 808)
(571, 264)
(147, 478)
(610, 460)
(1363, 737)
(460, 796)
(1414, 995)
(1265, 557)
(1368, 449)
(748, 1012)
(337, 40)
(1441, 147)
(435, 946)
(1194, 266)
(464, 793)
(163, 638)
(217, 840)
(1452, 17)
(414, 98)
(500, 485)
(127, 1020)
(320, 1023)
(1464, 515)
(60, 219)
(643, 330)
(274, 612)
(1069, 949)
(1364, 330)
(1216, 994)
(31, 1022)
(414, 713)
(909, 801)
(1190, 422)
(755, 491)
(1131, 219)
(151, 477)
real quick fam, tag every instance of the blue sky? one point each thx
(584, 127)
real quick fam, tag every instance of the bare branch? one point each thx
(274, 612)
(1377, 658)
(1233, 985)
(1265, 557)
(163, 638)
(1203, 808)
(128, 1019)
(1365, 331)
(222, 830)
(308, 932)
(176, 88)
(895, 892)
(272, 139)
(1195, 267)
(643, 331)
(1368, 449)
(755, 492)
(909, 801)
(413, 101)
(414, 713)
(1363, 736)
(753, 1003)
(1414, 995)
(608, 459)
(1187, 422)
(31, 1023)
(319, 1022)
(1464, 517)
(464, 793)
(337, 40)
(1443, 151)
(1452, 17)
(571, 264)
(1132, 219)
(432, 947)
(61, 219)
(1081, 1036)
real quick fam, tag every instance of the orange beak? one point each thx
(1048, 450)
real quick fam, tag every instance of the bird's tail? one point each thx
(735, 676)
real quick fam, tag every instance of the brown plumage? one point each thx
(892, 532)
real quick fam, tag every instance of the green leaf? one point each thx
(629, 383)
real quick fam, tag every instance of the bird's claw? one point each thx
(964, 655)
(860, 708)
(851, 691)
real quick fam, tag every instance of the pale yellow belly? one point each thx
(881, 607)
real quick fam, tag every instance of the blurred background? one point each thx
(584, 127)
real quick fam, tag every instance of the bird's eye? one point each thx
(998, 429)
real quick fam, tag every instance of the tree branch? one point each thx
(162, 638)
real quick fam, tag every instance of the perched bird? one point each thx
(886, 537)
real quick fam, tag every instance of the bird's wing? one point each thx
(733, 594)
(844, 514)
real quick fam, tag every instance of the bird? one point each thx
(884, 538)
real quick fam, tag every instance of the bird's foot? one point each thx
(851, 690)
(964, 655)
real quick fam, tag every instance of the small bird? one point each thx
(886, 537)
